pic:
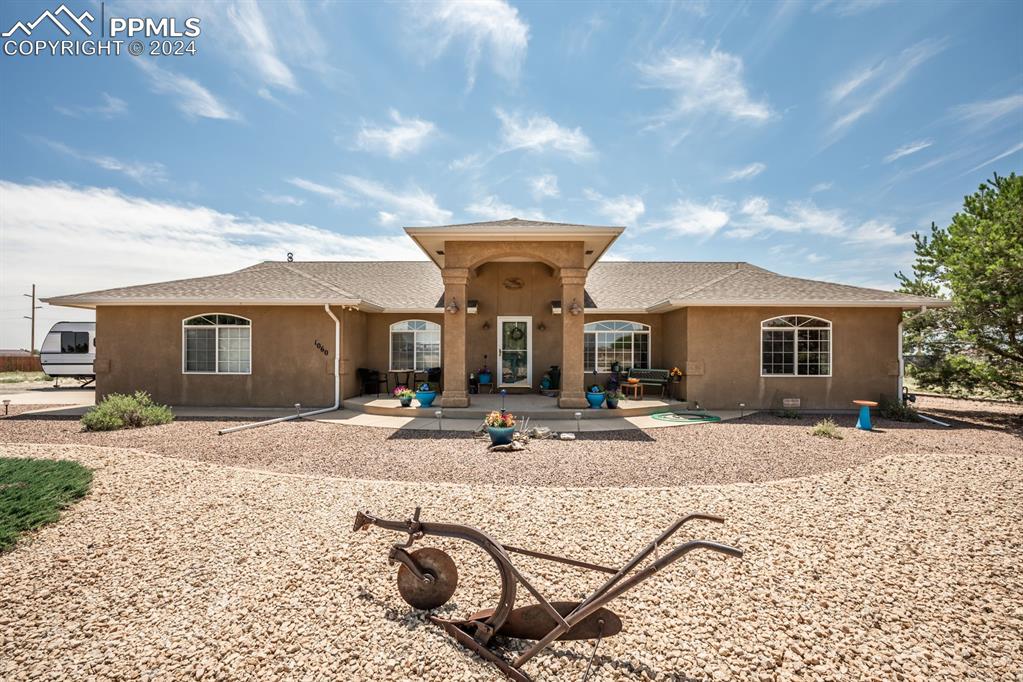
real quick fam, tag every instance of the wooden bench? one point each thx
(650, 377)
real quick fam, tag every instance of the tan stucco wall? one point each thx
(139, 348)
(724, 359)
(674, 348)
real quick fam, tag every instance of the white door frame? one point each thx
(529, 349)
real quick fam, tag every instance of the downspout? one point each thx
(902, 365)
(337, 386)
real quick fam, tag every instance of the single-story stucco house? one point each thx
(516, 295)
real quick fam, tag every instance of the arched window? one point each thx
(610, 341)
(795, 345)
(216, 344)
(415, 344)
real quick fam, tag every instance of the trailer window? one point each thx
(74, 342)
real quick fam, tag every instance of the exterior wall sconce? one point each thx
(542, 327)
(486, 324)
(574, 307)
(452, 306)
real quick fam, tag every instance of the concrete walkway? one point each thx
(39, 393)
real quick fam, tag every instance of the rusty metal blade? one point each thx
(533, 622)
(466, 640)
(428, 595)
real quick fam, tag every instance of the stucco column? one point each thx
(573, 281)
(455, 376)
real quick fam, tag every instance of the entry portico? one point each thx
(558, 259)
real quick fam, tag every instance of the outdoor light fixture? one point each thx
(452, 306)
(486, 324)
(298, 409)
(439, 414)
(574, 307)
(542, 327)
(742, 409)
(7, 404)
(578, 416)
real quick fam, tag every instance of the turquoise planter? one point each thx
(426, 398)
(484, 377)
(501, 435)
(595, 399)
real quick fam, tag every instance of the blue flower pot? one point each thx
(484, 377)
(501, 435)
(595, 399)
(426, 398)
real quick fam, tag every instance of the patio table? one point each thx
(863, 422)
(637, 390)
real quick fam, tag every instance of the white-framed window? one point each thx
(415, 344)
(795, 345)
(215, 343)
(610, 341)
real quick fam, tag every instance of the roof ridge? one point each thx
(336, 290)
(700, 287)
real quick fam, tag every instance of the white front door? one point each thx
(515, 351)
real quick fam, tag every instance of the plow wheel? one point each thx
(437, 589)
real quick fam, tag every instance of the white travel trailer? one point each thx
(69, 350)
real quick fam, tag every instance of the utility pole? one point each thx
(32, 348)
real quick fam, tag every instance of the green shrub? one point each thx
(788, 414)
(120, 411)
(897, 411)
(827, 428)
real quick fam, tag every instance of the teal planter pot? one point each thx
(595, 399)
(426, 398)
(484, 377)
(501, 435)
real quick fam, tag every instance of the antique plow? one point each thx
(428, 577)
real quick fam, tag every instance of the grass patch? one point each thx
(23, 377)
(33, 491)
(120, 411)
(826, 428)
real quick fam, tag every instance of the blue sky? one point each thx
(811, 138)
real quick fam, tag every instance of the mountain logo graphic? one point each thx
(77, 20)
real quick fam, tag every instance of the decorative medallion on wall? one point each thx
(513, 283)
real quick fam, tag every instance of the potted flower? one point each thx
(501, 427)
(484, 373)
(425, 395)
(595, 396)
(613, 396)
(675, 374)
(404, 394)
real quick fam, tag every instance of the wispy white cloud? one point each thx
(822, 187)
(544, 186)
(260, 48)
(848, 8)
(467, 162)
(493, 26)
(335, 194)
(492, 208)
(862, 92)
(693, 219)
(111, 107)
(983, 114)
(1007, 152)
(541, 133)
(877, 233)
(579, 34)
(94, 238)
(281, 199)
(190, 97)
(142, 172)
(412, 206)
(704, 83)
(406, 136)
(624, 209)
(755, 215)
(746, 172)
(907, 149)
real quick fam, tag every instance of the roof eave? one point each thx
(94, 302)
(673, 304)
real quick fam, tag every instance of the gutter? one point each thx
(302, 415)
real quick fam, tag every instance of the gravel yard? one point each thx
(906, 567)
(758, 448)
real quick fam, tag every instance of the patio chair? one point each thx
(433, 376)
(370, 381)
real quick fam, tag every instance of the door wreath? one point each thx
(516, 334)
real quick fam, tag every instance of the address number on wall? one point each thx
(320, 347)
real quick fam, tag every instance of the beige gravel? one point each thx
(757, 448)
(903, 568)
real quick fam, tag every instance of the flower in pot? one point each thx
(501, 427)
(404, 394)
(613, 396)
(484, 372)
(595, 396)
(675, 374)
(425, 395)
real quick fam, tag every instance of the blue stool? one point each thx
(863, 422)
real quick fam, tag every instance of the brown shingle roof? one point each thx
(407, 285)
